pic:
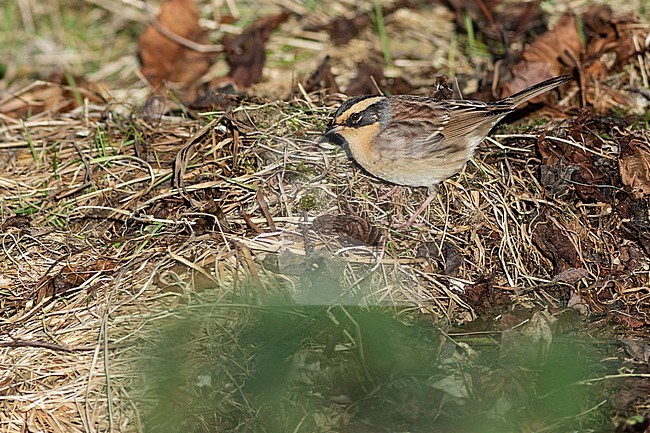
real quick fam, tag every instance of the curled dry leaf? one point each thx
(371, 80)
(488, 301)
(19, 222)
(448, 258)
(60, 93)
(246, 53)
(369, 76)
(608, 33)
(167, 61)
(343, 29)
(555, 245)
(443, 89)
(71, 277)
(498, 19)
(351, 228)
(570, 275)
(610, 46)
(529, 344)
(634, 165)
(547, 57)
(610, 43)
(568, 166)
(322, 78)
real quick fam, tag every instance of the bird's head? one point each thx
(358, 121)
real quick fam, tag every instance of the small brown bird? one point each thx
(418, 140)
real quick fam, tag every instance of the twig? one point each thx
(43, 345)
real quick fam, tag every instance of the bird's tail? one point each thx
(535, 90)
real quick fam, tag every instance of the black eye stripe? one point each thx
(355, 118)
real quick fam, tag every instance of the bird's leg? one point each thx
(433, 191)
(390, 193)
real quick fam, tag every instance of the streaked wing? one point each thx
(415, 129)
(467, 116)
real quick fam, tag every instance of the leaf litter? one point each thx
(115, 224)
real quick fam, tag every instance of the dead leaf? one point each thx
(529, 345)
(70, 277)
(343, 29)
(17, 221)
(322, 78)
(351, 228)
(547, 57)
(488, 301)
(443, 89)
(371, 80)
(635, 214)
(551, 239)
(56, 95)
(448, 258)
(369, 75)
(569, 167)
(221, 98)
(397, 86)
(570, 275)
(246, 53)
(634, 167)
(632, 319)
(157, 106)
(498, 19)
(165, 61)
(638, 349)
(608, 33)
(578, 303)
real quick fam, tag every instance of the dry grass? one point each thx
(123, 251)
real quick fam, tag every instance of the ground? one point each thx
(197, 261)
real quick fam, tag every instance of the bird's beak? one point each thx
(331, 135)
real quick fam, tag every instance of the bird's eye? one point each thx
(355, 118)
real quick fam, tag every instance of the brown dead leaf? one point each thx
(552, 240)
(608, 33)
(369, 76)
(447, 258)
(610, 46)
(167, 61)
(493, 306)
(570, 275)
(530, 343)
(498, 19)
(635, 214)
(70, 277)
(246, 53)
(569, 167)
(19, 222)
(638, 349)
(370, 80)
(634, 165)
(488, 301)
(55, 95)
(548, 56)
(629, 319)
(322, 78)
(443, 89)
(577, 303)
(343, 29)
(36, 98)
(351, 228)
